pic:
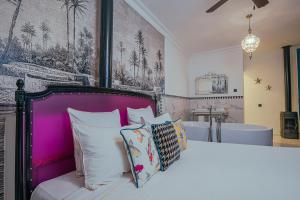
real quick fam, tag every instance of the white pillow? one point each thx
(98, 119)
(102, 119)
(157, 120)
(135, 115)
(103, 156)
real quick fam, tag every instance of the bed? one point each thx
(204, 171)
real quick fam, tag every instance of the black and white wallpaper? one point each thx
(138, 52)
(46, 42)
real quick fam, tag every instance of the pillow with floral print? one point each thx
(142, 154)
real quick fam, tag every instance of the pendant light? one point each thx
(250, 42)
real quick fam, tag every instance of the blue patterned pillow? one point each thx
(142, 154)
(165, 139)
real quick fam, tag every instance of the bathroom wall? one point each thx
(177, 107)
(233, 105)
(175, 101)
(176, 85)
(267, 65)
(228, 61)
(176, 70)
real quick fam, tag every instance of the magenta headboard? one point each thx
(49, 142)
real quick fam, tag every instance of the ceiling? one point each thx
(277, 24)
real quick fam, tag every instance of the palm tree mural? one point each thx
(11, 30)
(149, 72)
(84, 51)
(79, 8)
(33, 48)
(30, 32)
(156, 69)
(142, 64)
(160, 58)
(139, 39)
(26, 41)
(134, 61)
(122, 49)
(145, 66)
(158, 66)
(45, 32)
(66, 5)
(144, 61)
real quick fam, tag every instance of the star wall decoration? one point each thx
(269, 87)
(258, 80)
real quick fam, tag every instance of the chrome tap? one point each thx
(218, 128)
(218, 119)
(210, 125)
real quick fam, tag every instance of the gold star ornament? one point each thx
(258, 80)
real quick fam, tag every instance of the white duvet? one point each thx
(205, 171)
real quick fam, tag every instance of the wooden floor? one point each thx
(282, 142)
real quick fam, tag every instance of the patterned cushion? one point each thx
(142, 154)
(166, 142)
(181, 134)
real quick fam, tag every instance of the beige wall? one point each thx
(269, 67)
(227, 61)
(176, 82)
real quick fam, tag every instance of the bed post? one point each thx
(19, 98)
(106, 44)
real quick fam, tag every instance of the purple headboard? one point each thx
(48, 137)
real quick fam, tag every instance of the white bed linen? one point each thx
(206, 171)
(71, 187)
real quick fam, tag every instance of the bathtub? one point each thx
(231, 133)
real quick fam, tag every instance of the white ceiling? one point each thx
(277, 24)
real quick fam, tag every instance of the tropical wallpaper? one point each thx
(138, 51)
(46, 42)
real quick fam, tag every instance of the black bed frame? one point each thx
(23, 151)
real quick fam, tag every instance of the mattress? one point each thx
(208, 171)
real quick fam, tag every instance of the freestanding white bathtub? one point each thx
(231, 133)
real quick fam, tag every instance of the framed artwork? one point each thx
(211, 83)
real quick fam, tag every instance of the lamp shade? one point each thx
(250, 43)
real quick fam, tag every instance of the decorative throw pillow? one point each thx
(181, 134)
(165, 139)
(102, 154)
(142, 154)
(135, 115)
(98, 119)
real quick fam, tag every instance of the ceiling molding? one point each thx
(140, 7)
(220, 50)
